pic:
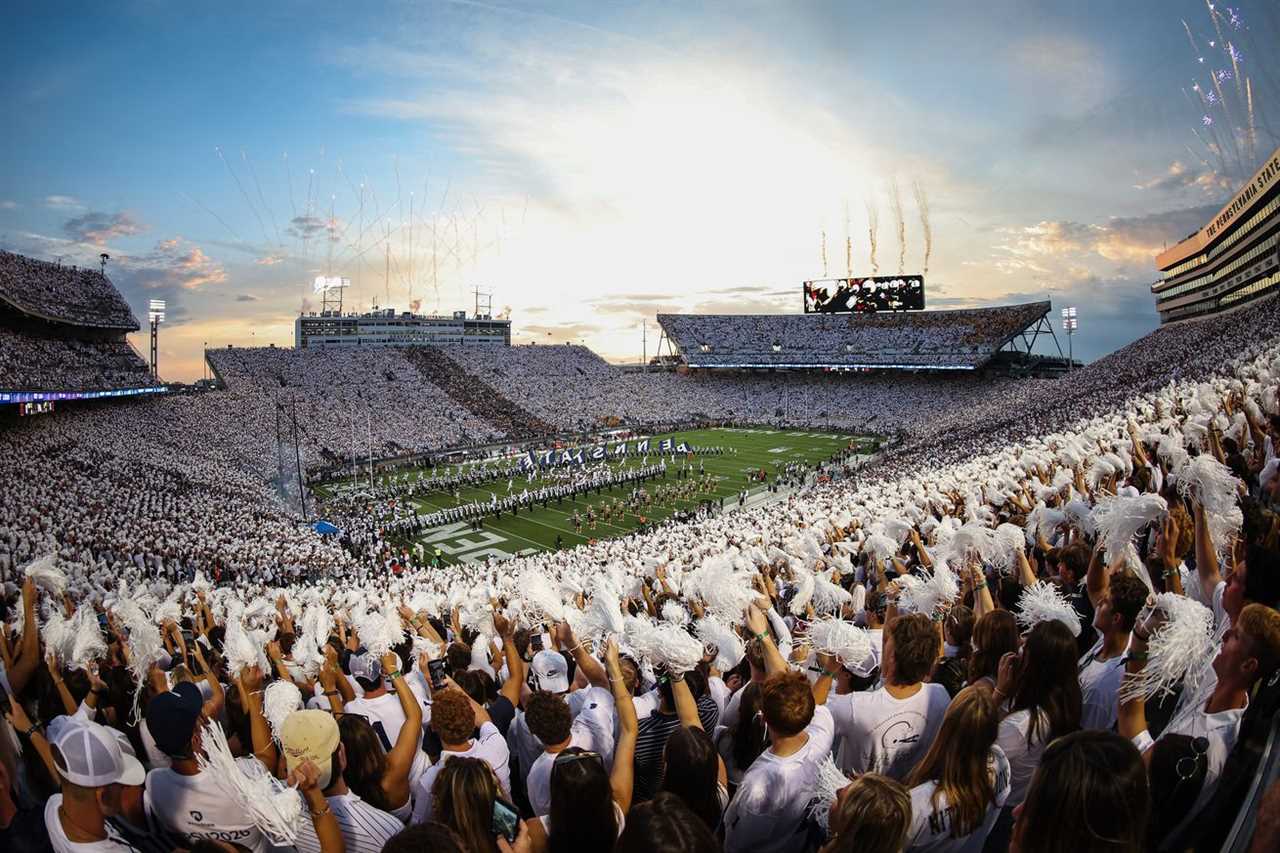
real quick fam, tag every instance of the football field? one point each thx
(745, 451)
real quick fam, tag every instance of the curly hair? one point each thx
(452, 716)
(787, 702)
(547, 716)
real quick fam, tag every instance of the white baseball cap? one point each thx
(90, 755)
(550, 672)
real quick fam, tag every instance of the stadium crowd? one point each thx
(79, 296)
(348, 402)
(476, 396)
(964, 338)
(29, 363)
(1046, 622)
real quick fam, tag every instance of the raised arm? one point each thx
(1206, 557)
(687, 711)
(29, 650)
(1097, 580)
(400, 758)
(329, 834)
(589, 666)
(64, 692)
(758, 625)
(248, 684)
(622, 776)
(515, 666)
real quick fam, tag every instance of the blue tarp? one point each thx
(324, 528)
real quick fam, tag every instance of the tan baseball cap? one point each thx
(310, 735)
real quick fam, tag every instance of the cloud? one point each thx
(562, 332)
(1180, 177)
(99, 228)
(8, 205)
(1129, 240)
(269, 260)
(310, 227)
(246, 297)
(62, 201)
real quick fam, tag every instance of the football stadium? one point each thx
(891, 571)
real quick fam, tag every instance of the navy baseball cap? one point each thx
(171, 718)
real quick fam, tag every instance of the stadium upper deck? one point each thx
(1234, 258)
(930, 340)
(62, 334)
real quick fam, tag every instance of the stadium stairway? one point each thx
(475, 395)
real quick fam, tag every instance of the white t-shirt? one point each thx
(538, 782)
(190, 807)
(595, 718)
(1099, 688)
(365, 829)
(931, 818)
(881, 734)
(113, 843)
(490, 746)
(383, 713)
(1023, 754)
(1220, 730)
(768, 811)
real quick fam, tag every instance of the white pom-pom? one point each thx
(727, 593)
(1080, 514)
(674, 612)
(249, 788)
(805, 583)
(1042, 602)
(846, 641)
(829, 597)
(240, 650)
(724, 641)
(826, 790)
(279, 700)
(87, 643)
(929, 594)
(1119, 518)
(46, 575)
(1212, 484)
(540, 599)
(880, 547)
(664, 643)
(1176, 651)
(1010, 540)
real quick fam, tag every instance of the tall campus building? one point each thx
(1233, 259)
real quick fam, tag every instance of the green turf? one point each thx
(536, 529)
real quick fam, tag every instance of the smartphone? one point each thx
(435, 671)
(506, 821)
(535, 642)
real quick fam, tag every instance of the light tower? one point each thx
(155, 313)
(330, 289)
(1069, 325)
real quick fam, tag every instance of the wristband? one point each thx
(763, 635)
(332, 693)
(31, 730)
(326, 810)
(828, 674)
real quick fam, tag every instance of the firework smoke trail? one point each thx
(1253, 127)
(270, 213)
(896, 198)
(873, 226)
(848, 243)
(824, 253)
(201, 205)
(922, 205)
(1213, 149)
(244, 194)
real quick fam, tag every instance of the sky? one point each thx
(589, 165)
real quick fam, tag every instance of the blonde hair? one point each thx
(959, 759)
(872, 815)
(462, 799)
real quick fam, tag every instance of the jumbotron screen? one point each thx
(858, 295)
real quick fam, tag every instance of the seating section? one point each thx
(30, 363)
(476, 396)
(74, 295)
(931, 339)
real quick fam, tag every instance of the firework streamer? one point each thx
(253, 173)
(873, 227)
(824, 252)
(244, 194)
(922, 205)
(895, 199)
(201, 205)
(1253, 127)
(848, 243)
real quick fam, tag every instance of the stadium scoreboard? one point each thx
(864, 295)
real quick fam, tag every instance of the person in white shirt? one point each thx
(767, 813)
(888, 730)
(551, 722)
(313, 736)
(959, 787)
(91, 768)
(455, 718)
(1250, 652)
(871, 813)
(1117, 599)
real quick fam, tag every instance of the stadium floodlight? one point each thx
(1069, 324)
(155, 311)
(324, 283)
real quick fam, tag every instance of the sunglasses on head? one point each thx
(570, 757)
